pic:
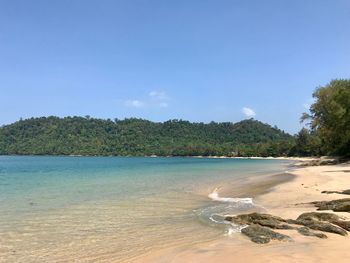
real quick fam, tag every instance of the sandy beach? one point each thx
(287, 200)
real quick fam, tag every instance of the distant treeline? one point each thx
(137, 137)
(329, 134)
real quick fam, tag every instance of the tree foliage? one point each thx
(138, 137)
(306, 144)
(330, 117)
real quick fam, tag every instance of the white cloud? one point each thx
(163, 105)
(158, 99)
(158, 95)
(248, 112)
(134, 103)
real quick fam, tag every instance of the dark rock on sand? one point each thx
(318, 225)
(343, 224)
(318, 216)
(329, 217)
(325, 227)
(345, 192)
(262, 235)
(259, 225)
(339, 205)
(305, 231)
(267, 220)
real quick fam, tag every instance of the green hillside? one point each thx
(137, 137)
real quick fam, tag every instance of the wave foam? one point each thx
(235, 229)
(215, 197)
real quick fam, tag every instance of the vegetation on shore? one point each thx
(329, 121)
(137, 137)
(328, 134)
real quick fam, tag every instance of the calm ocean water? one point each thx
(82, 209)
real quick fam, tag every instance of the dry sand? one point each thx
(285, 200)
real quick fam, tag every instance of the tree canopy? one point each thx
(330, 117)
(137, 137)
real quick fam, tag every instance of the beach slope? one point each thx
(287, 200)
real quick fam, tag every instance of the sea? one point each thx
(114, 209)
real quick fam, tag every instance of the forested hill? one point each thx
(90, 136)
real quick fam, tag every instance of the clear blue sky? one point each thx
(194, 60)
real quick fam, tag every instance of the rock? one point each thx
(263, 235)
(339, 205)
(321, 226)
(305, 231)
(343, 207)
(319, 216)
(254, 217)
(345, 192)
(292, 221)
(343, 224)
(324, 217)
(267, 220)
(272, 224)
(259, 225)
(330, 192)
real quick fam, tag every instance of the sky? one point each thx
(195, 60)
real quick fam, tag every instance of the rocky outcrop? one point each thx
(267, 220)
(321, 226)
(328, 217)
(339, 205)
(259, 226)
(261, 235)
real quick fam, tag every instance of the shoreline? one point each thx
(286, 199)
(292, 158)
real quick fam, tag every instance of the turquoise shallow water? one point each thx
(111, 208)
